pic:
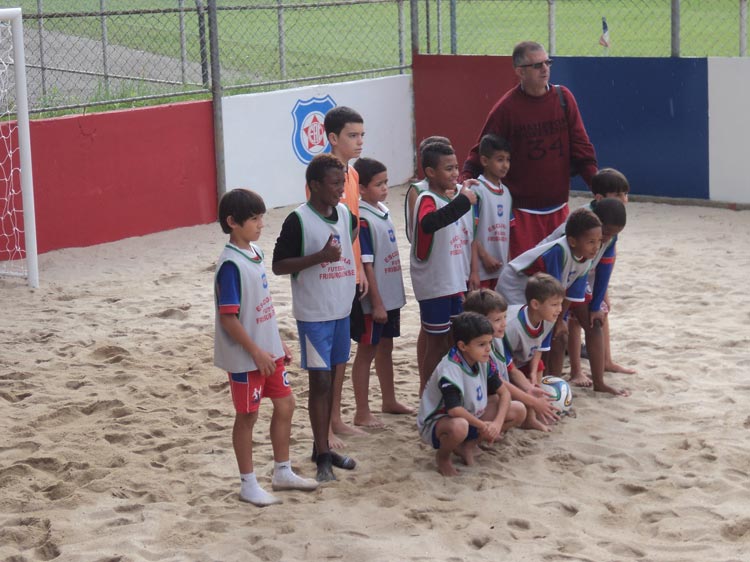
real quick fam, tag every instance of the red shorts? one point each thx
(248, 388)
(585, 302)
(488, 284)
(528, 229)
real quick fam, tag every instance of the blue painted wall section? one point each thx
(646, 117)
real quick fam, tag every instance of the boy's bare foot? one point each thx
(334, 442)
(612, 390)
(445, 466)
(467, 450)
(368, 420)
(340, 428)
(396, 408)
(615, 368)
(580, 380)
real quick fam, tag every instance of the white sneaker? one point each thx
(258, 497)
(288, 480)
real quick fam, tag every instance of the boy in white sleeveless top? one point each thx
(530, 325)
(437, 265)
(568, 259)
(315, 248)
(247, 345)
(494, 209)
(384, 300)
(539, 412)
(465, 399)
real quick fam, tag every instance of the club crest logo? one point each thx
(264, 280)
(391, 235)
(500, 210)
(480, 394)
(309, 136)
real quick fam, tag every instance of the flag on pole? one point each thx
(604, 39)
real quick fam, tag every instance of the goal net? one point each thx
(18, 254)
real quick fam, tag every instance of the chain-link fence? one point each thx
(635, 28)
(88, 53)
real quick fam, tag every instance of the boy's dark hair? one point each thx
(337, 118)
(611, 211)
(484, 301)
(240, 204)
(492, 143)
(368, 168)
(434, 138)
(432, 152)
(319, 165)
(470, 325)
(543, 286)
(580, 221)
(609, 180)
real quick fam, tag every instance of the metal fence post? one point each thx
(552, 47)
(414, 17)
(183, 47)
(743, 28)
(282, 39)
(454, 31)
(439, 16)
(105, 65)
(216, 93)
(427, 24)
(401, 38)
(40, 30)
(202, 41)
(675, 28)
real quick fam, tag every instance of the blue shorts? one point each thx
(324, 344)
(473, 434)
(372, 331)
(436, 313)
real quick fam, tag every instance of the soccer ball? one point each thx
(560, 391)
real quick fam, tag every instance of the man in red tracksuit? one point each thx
(549, 144)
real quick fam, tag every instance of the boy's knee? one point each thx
(458, 428)
(246, 420)
(320, 382)
(284, 406)
(517, 411)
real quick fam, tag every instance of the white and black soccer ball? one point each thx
(560, 391)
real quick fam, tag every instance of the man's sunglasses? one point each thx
(537, 65)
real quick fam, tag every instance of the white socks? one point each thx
(250, 491)
(284, 478)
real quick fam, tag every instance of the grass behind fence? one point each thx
(323, 40)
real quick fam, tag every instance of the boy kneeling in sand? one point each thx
(247, 345)
(465, 400)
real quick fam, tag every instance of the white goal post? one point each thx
(18, 249)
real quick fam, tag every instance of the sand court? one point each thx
(117, 428)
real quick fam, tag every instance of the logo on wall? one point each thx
(309, 136)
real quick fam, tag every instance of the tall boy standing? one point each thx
(315, 247)
(345, 130)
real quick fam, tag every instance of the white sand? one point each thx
(116, 427)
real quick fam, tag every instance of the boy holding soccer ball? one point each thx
(465, 399)
(539, 411)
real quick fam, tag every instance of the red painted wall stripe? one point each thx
(453, 95)
(107, 176)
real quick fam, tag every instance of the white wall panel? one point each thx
(258, 131)
(728, 126)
